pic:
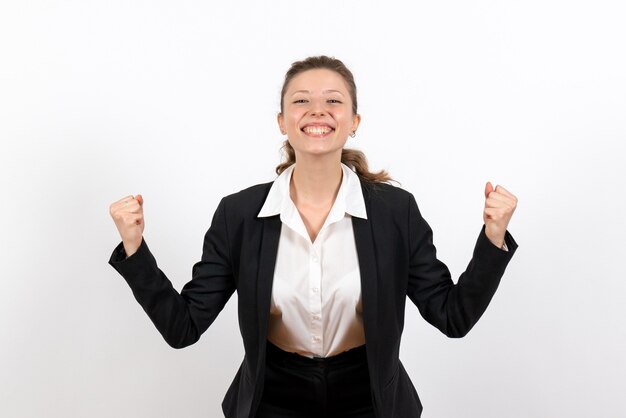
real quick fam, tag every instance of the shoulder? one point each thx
(391, 208)
(247, 201)
(384, 194)
(388, 204)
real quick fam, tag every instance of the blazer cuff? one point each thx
(135, 267)
(487, 250)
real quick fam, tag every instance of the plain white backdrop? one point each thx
(178, 100)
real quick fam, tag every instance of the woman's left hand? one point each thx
(499, 207)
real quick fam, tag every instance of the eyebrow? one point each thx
(324, 91)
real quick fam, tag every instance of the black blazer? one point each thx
(396, 259)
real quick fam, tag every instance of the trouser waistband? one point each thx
(355, 355)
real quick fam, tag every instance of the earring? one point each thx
(353, 134)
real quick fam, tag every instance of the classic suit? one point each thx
(396, 259)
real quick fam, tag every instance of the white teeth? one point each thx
(317, 130)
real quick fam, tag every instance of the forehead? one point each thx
(316, 80)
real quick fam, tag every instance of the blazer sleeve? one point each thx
(452, 308)
(182, 317)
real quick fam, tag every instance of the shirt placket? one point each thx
(315, 299)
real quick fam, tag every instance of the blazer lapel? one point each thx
(367, 267)
(369, 271)
(267, 263)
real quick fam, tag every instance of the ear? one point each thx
(281, 123)
(355, 122)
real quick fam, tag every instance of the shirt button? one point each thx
(315, 289)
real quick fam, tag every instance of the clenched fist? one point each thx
(128, 216)
(499, 207)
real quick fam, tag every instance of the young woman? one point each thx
(322, 260)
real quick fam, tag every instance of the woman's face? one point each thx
(317, 113)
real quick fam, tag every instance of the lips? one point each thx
(317, 129)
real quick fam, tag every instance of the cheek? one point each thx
(292, 120)
(344, 119)
(291, 126)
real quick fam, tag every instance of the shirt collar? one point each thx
(349, 198)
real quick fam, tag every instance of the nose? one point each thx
(317, 108)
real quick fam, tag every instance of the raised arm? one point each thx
(455, 308)
(180, 317)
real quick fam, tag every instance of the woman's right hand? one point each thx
(127, 213)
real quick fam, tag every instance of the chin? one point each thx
(318, 152)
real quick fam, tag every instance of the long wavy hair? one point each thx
(353, 158)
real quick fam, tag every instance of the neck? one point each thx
(316, 181)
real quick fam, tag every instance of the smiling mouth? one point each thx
(317, 131)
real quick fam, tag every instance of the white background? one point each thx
(178, 100)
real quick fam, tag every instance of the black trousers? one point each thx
(301, 387)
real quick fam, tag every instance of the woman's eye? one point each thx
(300, 101)
(333, 101)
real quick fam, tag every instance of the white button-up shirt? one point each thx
(316, 306)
